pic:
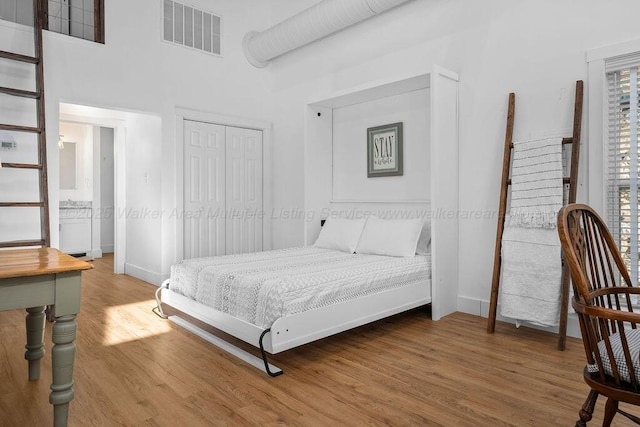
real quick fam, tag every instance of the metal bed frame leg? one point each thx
(243, 355)
(158, 308)
(264, 356)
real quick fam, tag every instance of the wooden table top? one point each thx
(36, 262)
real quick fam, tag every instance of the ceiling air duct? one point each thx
(314, 23)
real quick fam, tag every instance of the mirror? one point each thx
(68, 165)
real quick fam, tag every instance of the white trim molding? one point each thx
(599, 60)
(480, 307)
(613, 51)
(153, 277)
(104, 119)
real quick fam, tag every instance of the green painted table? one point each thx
(32, 279)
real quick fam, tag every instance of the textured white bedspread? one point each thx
(263, 286)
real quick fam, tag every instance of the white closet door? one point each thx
(244, 190)
(204, 189)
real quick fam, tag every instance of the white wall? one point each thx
(533, 48)
(138, 186)
(135, 71)
(144, 210)
(350, 148)
(19, 185)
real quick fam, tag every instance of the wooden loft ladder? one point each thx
(39, 129)
(571, 180)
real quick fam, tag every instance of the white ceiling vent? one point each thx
(191, 27)
(314, 23)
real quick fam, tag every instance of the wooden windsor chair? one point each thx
(604, 301)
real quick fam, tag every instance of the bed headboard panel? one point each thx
(353, 209)
(387, 209)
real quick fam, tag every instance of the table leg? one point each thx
(62, 355)
(35, 340)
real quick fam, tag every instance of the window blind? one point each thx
(622, 151)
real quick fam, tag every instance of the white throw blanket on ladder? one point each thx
(531, 262)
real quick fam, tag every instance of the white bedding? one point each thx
(263, 286)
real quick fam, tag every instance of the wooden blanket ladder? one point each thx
(571, 181)
(39, 130)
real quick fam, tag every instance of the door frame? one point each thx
(183, 114)
(119, 164)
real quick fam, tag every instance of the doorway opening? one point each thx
(92, 182)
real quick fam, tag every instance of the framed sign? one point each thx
(384, 150)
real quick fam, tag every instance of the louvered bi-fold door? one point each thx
(25, 175)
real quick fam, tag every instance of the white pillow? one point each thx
(340, 234)
(391, 237)
(424, 239)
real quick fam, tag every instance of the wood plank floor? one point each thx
(135, 369)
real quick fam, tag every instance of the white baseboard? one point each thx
(143, 274)
(479, 307)
(95, 253)
(107, 249)
(470, 306)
